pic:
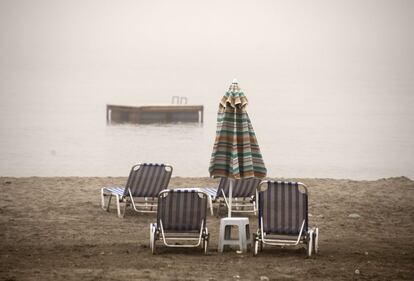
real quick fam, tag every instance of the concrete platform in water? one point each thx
(154, 114)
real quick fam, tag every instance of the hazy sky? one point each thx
(152, 41)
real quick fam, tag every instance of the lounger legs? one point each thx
(258, 244)
(256, 247)
(309, 245)
(316, 240)
(210, 202)
(237, 207)
(311, 242)
(118, 202)
(138, 207)
(153, 238)
(118, 206)
(205, 241)
(106, 208)
(102, 199)
(155, 235)
(218, 208)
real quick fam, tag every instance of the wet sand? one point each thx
(55, 229)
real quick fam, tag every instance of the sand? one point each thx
(55, 229)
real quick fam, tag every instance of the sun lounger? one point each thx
(211, 192)
(244, 195)
(181, 219)
(144, 183)
(283, 216)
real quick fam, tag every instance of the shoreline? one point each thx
(209, 178)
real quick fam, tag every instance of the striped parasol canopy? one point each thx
(236, 153)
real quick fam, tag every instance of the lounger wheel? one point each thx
(309, 245)
(151, 236)
(316, 240)
(258, 245)
(205, 245)
(153, 229)
(205, 241)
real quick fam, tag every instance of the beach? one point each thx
(53, 228)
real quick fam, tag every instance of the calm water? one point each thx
(358, 133)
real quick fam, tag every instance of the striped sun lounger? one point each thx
(181, 219)
(210, 191)
(244, 195)
(283, 216)
(144, 183)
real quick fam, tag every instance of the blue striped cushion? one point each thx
(209, 190)
(119, 190)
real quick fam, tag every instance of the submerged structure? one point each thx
(154, 114)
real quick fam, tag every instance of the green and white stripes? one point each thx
(236, 153)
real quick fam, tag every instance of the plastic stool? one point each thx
(225, 233)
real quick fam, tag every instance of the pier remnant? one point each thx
(154, 114)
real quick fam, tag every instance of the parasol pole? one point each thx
(230, 195)
(231, 184)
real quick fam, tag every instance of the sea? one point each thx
(53, 123)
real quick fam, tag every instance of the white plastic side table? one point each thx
(225, 238)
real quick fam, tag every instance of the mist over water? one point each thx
(330, 84)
